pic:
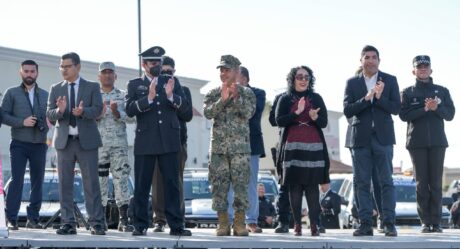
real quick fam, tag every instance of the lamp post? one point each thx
(139, 34)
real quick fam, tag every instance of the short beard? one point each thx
(28, 81)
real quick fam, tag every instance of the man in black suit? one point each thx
(158, 200)
(330, 208)
(73, 105)
(370, 99)
(155, 101)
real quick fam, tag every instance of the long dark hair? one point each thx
(291, 79)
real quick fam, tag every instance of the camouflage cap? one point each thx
(229, 61)
(106, 65)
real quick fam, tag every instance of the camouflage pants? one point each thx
(223, 170)
(115, 161)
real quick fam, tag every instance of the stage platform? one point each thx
(204, 238)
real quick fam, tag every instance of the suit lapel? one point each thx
(362, 84)
(81, 89)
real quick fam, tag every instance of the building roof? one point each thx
(339, 167)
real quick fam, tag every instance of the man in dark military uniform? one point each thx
(155, 101)
(330, 208)
(425, 106)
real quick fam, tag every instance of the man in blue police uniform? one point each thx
(155, 101)
(425, 106)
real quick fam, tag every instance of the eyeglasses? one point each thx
(64, 67)
(303, 77)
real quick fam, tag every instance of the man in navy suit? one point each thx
(370, 99)
(155, 100)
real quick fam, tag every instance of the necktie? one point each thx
(73, 119)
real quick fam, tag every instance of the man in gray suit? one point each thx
(73, 106)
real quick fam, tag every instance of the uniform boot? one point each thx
(239, 227)
(123, 225)
(224, 226)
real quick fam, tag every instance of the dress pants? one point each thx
(144, 166)
(283, 205)
(429, 164)
(365, 159)
(158, 200)
(88, 162)
(20, 153)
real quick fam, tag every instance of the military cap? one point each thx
(229, 61)
(153, 53)
(106, 65)
(421, 59)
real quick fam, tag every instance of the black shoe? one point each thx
(97, 230)
(139, 231)
(364, 230)
(66, 229)
(13, 225)
(159, 227)
(322, 230)
(282, 228)
(34, 224)
(436, 229)
(425, 228)
(180, 232)
(390, 230)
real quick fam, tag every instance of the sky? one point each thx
(269, 37)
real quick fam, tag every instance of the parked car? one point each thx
(453, 188)
(198, 198)
(50, 198)
(337, 181)
(406, 205)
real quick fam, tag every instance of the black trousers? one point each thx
(296, 192)
(144, 166)
(283, 205)
(158, 199)
(428, 164)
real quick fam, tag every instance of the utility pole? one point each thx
(139, 34)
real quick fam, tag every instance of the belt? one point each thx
(74, 137)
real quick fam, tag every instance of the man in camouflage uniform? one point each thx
(113, 155)
(230, 106)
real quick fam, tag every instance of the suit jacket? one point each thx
(186, 115)
(368, 117)
(255, 130)
(89, 93)
(158, 128)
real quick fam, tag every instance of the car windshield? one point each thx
(51, 190)
(336, 184)
(405, 193)
(196, 188)
(270, 186)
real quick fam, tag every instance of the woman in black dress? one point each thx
(302, 114)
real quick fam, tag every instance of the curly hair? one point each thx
(291, 78)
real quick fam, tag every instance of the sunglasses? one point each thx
(303, 77)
